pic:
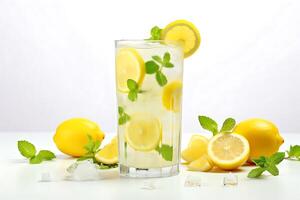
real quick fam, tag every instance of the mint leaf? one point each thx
(132, 85)
(155, 33)
(272, 169)
(294, 152)
(26, 149)
(166, 152)
(167, 57)
(261, 161)
(97, 144)
(208, 124)
(254, 173)
(45, 155)
(132, 95)
(276, 158)
(123, 119)
(151, 67)
(120, 110)
(157, 59)
(35, 160)
(168, 65)
(161, 78)
(90, 144)
(228, 125)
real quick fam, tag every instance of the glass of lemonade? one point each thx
(149, 92)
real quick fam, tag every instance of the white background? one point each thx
(57, 59)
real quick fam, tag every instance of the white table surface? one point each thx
(19, 180)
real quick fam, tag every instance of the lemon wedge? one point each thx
(108, 154)
(185, 32)
(202, 164)
(196, 148)
(129, 65)
(228, 151)
(171, 96)
(143, 132)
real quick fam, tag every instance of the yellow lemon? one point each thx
(143, 132)
(197, 147)
(228, 151)
(109, 153)
(72, 135)
(202, 164)
(184, 32)
(129, 65)
(171, 96)
(262, 135)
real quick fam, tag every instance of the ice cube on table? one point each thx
(230, 179)
(45, 177)
(148, 185)
(83, 171)
(192, 181)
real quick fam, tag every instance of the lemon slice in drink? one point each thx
(185, 32)
(171, 96)
(228, 151)
(143, 132)
(108, 154)
(129, 65)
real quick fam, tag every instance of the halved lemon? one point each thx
(196, 148)
(229, 150)
(202, 164)
(171, 96)
(109, 153)
(143, 132)
(185, 32)
(129, 65)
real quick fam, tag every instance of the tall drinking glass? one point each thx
(149, 92)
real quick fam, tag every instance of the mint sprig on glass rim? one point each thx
(155, 33)
(156, 65)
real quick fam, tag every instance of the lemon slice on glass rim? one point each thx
(184, 32)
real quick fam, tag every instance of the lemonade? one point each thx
(149, 93)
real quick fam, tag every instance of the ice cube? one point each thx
(83, 171)
(230, 179)
(192, 181)
(148, 185)
(45, 177)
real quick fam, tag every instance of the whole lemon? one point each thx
(263, 137)
(72, 135)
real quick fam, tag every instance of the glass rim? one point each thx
(175, 42)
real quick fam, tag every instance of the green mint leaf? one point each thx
(132, 85)
(161, 78)
(45, 155)
(272, 169)
(168, 65)
(155, 33)
(123, 119)
(208, 124)
(228, 125)
(151, 67)
(261, 161)
(276, 158)
(294, 152)
(26, 149)
(254, 173)
(167, 58)
(132, 95)
(97, 144)
(157, 59)
(90, 144)
(120, 110)
(35, 160)
(166, 152)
